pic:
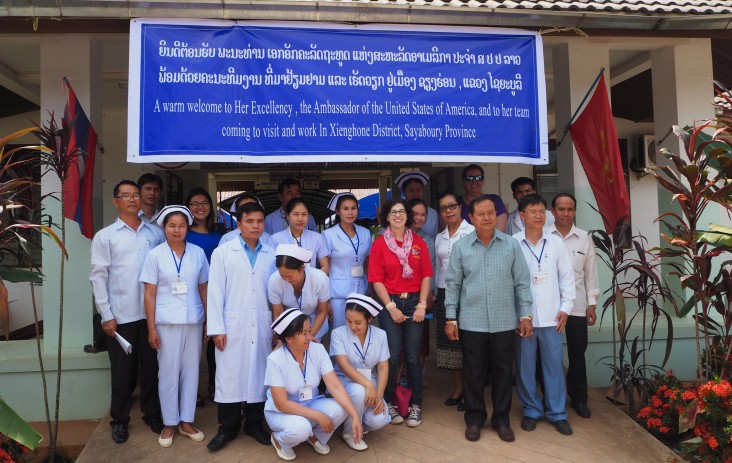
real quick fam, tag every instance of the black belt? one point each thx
(405, 295)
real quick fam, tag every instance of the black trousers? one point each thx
(211, 361)
(487, 355)
(124, 369)
(577, 370)
(230, 416)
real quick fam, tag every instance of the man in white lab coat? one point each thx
(239, 319)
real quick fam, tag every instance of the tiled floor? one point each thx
(609, 436)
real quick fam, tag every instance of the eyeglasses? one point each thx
(396, 213)
(449, 207)
(536, 213)
(196, 204)
(129, 197)
(473, 178)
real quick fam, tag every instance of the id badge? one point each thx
(305, 394)
(180, 287)
(540, 278)
(365, 372)
(357, 270)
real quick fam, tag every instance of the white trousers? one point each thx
(178, 359)
(369, 420)
(292, 430)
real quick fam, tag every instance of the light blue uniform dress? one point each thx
(179, 323)
(347, 274)
(361, 357)
(310, 240)
(284, 371)
(316, 289)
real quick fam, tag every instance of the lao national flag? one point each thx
(596, 140)
(82, 149)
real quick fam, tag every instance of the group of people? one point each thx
(268, 296)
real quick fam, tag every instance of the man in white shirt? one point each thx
(582, 250)
(521, 187)
(151, 187)
(117, 255)
(277, 221)
(552, 288)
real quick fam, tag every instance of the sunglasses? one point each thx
(473, 178)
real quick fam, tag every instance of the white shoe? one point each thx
(319, 447)
(349, 440)
(282, 453)
(165, 442)
(414, 418)
(195, 437)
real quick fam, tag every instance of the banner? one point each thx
(218, 91)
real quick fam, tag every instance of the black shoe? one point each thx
(582, 410)
(472, 432)
(452, 401)
(563, 427)
(219, 441)
(211, 393)
(259, 434)
(200, 403)
(120, 433)
(156, 425)
(528, 423)
(461, 406)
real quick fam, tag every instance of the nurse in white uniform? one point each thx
(239, 319)
(298, 234)
(296, 284)
(175, 274)
(349, 246)
(361, 354)
(412, 185)
(294, 412)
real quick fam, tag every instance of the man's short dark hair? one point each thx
(530, 200)
(523, 181)
(471, 167)
(115, 193)
(247, 208)
(149, 178)
(564, 195)
(480, 199)
(286, 183)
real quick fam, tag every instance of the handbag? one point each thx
(402, 394)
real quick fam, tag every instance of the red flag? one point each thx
(596, 140)
(79, 182)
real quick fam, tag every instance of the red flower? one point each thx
(713, 442)
(656, 402)
(664, 429)
(653, 422)
(688, 395)
(644, 412)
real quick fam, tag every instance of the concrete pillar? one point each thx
(576, 65)
(76, 57)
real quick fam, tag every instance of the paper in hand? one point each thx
(126, 346)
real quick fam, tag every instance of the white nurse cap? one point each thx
(411, 175)
(284, 320)
(160, 218)
(233, 207)
(295, 251)
(333, 203)
(366, 302)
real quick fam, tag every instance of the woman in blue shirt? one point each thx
(361, 354)
(348, 245)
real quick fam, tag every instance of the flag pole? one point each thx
(569, 124)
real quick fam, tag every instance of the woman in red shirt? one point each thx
(400, 270)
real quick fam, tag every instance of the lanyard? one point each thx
(304, 371)
(177, 263)
(365, 353)
(538, 258)
(358, 240)
(299, 242)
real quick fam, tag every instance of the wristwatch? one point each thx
(527, 317)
